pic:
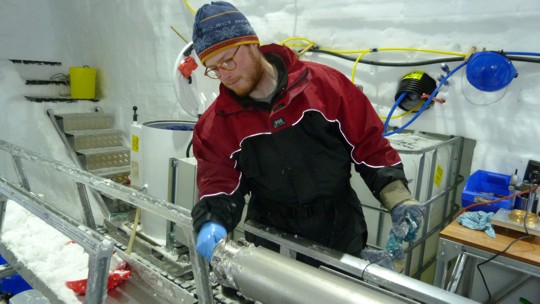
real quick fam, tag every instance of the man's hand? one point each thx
(407, 218)
(209, 235)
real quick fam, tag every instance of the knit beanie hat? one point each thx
(219, 26)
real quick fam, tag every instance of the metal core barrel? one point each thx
(266, 276)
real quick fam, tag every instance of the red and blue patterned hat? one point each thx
(219, 26)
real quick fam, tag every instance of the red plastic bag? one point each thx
(119, 275)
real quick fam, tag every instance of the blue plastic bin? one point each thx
(486, 186)
(12, 284)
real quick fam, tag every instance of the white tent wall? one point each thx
(132, 45)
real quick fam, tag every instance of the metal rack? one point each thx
(96, 245)
(433, 185)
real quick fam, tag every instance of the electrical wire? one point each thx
(414, 63)
(390, 64)
(408, 49)
(527, 235)
(356, 63)
(524, 59)
(364, 270)
(493, 257)
(189, 147)
(310, 42)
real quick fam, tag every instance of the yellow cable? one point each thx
(134, 230)
(397, 49)
(416, 107)
(302, 45)
(356, 63)
(424, 51)
(189, 7)
(298, 38)
(307, 48)
(345, 51)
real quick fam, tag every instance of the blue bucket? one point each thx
(13, 284)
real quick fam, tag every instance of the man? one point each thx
(285, 132)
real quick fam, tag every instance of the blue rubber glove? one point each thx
(209, 235)
(407, 218)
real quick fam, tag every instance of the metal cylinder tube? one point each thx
(266, 276)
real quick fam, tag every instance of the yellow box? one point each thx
(82, 82)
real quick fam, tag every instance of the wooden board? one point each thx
(527, 250)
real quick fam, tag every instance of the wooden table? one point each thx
(463, 243)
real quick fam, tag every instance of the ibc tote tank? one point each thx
(161, 140)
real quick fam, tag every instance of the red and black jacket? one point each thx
(292, 151)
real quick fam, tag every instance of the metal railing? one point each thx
(98, 247)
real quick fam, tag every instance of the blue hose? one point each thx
(424, 106)
(396, 104)
(522, 53)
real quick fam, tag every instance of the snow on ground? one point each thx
(49, 254)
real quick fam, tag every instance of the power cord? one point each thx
(527, 235)
(493, 257)
(364, 270)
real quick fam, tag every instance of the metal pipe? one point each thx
(87, 213)
(266, 276)
(171, 197)
(20, 172)
(175, 213)
(370, 273)
(453, 284)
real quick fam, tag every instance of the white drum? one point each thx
(160, 141)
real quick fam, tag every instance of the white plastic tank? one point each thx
(427, 162)
(161, 141)
(417, 152)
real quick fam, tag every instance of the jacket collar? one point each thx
(228, 103)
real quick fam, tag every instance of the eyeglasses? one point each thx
(228, 65)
